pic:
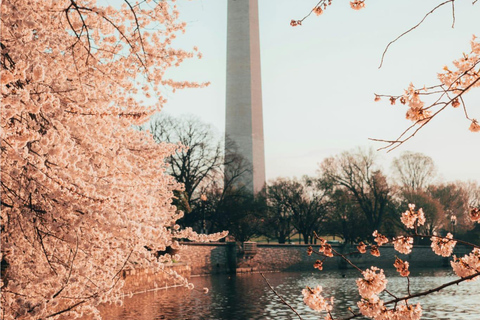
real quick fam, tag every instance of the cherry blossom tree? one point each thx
(83, 193)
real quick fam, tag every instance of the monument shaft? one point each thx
(244, 118)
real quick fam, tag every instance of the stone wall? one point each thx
(228, 257)
(206, 258)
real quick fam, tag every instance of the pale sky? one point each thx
(319, 79)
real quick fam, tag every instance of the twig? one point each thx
(283, 301)
(412, 28)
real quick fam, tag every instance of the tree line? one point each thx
(349, 197)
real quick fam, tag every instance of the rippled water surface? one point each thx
(247, 296)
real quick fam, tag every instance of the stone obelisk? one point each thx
(244, 119)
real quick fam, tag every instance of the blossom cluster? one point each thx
(362, 247)
(376, 310)
(410, 217)
(314, 299)
(467, 265)
(403, 244)
(454, 84)
(325, 248)
(372, 284)
(443, 246)
(380, 238)
(402, 267)
(357, 4)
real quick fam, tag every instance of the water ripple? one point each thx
(247, 296)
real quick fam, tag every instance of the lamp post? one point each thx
(203, 198)
(344, 227)
(453, 220)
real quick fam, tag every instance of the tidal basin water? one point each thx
(247, 296)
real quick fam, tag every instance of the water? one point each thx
(247, 296)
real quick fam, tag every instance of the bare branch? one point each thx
(280, 297)
(411, 29)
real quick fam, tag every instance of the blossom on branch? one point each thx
(475, 214)
(325, 248)
(374, 251)
(402, 267)
(443, 246)
(474, 126)
(403, 244)
(371, 307)
(372, 284)
(84, 195)
(467, 265)
(318, 10)
(379, 238)
(357, 4)
(313, 298)
(410, 217)
(362, 247)
(318, 265)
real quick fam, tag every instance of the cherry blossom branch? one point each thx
(427, 292)
(71, 307)
(420, 294)
(393, 144)
(311, 11)
(449, 239)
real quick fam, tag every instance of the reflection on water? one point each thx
(246, 296)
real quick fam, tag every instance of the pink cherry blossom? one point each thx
(443, 246)
(313, 298)
(403, 244)
(467, 265)
(372, 284)
(402, 267)
(362, 247)
(410, 217)
(379, 238)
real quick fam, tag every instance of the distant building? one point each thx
(244, 119)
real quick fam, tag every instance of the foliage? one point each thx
(303, 202)
(279, 220)
(242, 214)
(358, 173)
(83, 193)
(346, 219)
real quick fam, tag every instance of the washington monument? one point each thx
(244, 119)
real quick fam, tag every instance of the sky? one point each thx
(319, 80)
